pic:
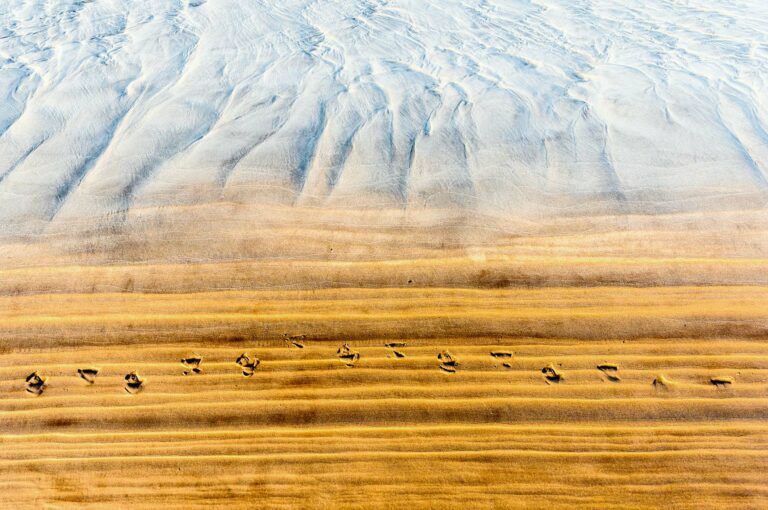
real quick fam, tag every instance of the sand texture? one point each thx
(383, 254)
(503, 107)
(563, 370)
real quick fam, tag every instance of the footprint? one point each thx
(661, 382)
(88, 374)
(551, 374)
(133, 383)
(35, 383)
(192, 364)
(503, 355)
(347, 355)
(248, 364)
(295, 340)
(610, 370)
(249, 370)
(721, 381)
(394, 346)
(447, 362)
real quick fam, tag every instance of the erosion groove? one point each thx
(510, 108)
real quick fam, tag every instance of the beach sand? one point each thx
(645, 320)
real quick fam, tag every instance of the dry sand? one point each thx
(677, 300)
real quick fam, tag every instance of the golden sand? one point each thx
(659, 349)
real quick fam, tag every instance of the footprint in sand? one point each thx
(610, 370)
(394, 346)
(347, 355)
(552, 374)
(35, 383)
(721, 381)
(133, 382)
(192, 364)
(447, 362)
(503, 355)
(295, 340)
(88, 374)
(247, 364)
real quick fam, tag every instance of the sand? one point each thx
(509, 107)
(306, 428)
(383, 254)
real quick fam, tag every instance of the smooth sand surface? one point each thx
(664, 309)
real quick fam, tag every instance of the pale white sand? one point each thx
(510, 108)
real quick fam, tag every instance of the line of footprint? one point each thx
(447, 362)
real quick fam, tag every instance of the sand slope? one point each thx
(510, 107)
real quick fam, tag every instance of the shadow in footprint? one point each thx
(247, 364)
(503, 355)
(552, 374)
(88, 374)
(610, 370)
(134, 383)
(295, 340)
(192, 364)
(721, 381)
(347, 355)
(447, 362)
(35, 383)
(394, 346)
